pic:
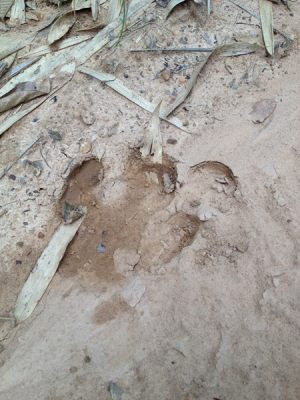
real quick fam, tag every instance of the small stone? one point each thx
(171, 141)
(101, 248)
(20, 244)
(55, 135)
(185, 123)
(18, 262)
(166, 74)
(73, 370)
(126, 75)
(87, 359)
(85, 147)
(12, 177)
(182, 79)
(41, 235)
(115, 390)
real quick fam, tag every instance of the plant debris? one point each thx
(44, 270)
(266, 17)
(152, 139)
(61, 26)
(22, 93)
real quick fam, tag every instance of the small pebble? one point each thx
(166, 74)
(171, 141)
(20, 244)
(18, 262)
(101, 248)
(41, 235)
(126, 76)
(181, 79)
(85, 147)
(87, 359)
(12, 177)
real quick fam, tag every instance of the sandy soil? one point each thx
(194, 293)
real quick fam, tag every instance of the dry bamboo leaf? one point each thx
(5, 6)
(114, 10)
(153, 140)
(48, 21)
(100, 25)
(24, 92)
(32, 15)
(81, 4)
(118, 86)
(23, 65)
(266, 18)
(172, 5)
(61, 26)
(95, 9)
(80, 53)
(182, 95)
(6, 64)
(17, 12)
(11, 43)
(10, 121)
(44, 270)
(45, 49)
(237, 49)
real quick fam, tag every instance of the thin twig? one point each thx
(188, 49)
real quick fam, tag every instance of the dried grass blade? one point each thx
(118, 86)
(44, 270)
(266, 18)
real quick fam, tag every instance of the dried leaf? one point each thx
(61, 26)
(237, 49)
(23, 65)
(6, 64)
(32, 15)
(45, 49)
(266, 18)
(17, 12)
(81, 4)
(114, 10)
(95, 9)
(5, 6)
(80, 53)
(10, 121)
(100, 25)
(182, 95)
(44, 270)
(117, 85)
(22, 93)
(172, 5)
(10, 43)
(153, 139)
(48, 21)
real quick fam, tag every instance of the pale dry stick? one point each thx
(174, 49)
